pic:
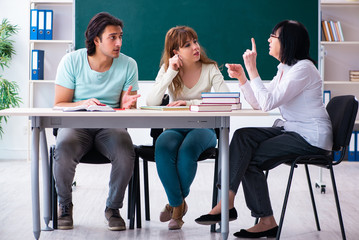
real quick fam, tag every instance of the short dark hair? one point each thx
(294, 42)
(96, 27)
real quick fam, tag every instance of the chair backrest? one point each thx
(342, 111)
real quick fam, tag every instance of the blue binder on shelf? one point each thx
(37, 65)
(41, 25)
(48, 24)
(33, 24)
(352, 147)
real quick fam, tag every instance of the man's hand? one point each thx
(89, 102)
(129, 99)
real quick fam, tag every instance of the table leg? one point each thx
(35, 182)
(46, 179)
(224, 153)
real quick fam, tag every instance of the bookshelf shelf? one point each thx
(340, 43)
(341, 83)
(339, 3)
(52, 1)
(52, 41)
(42, 81)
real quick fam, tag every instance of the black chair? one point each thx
(95, 157)
(147, 153)
(342, 111)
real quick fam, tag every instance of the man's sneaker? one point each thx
(114, 220)
(64, 220)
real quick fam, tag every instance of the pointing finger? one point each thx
(254, 48)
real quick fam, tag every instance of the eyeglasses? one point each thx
(273, 36)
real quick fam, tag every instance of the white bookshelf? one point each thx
(338, 58)
(341, 57)
(41, 92)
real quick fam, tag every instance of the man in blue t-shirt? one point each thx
(99, 74)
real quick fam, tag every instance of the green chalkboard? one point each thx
(224, 27)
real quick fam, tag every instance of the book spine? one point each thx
(330, 32)
(325, 33)
(340, 31)
(337, 32)
(332, 27)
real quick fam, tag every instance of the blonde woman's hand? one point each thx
(177, 103)
(175, 62)
(250, 61)
(237, 71)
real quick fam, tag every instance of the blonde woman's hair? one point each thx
(176, 38)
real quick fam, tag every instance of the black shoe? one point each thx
(271, 233)
(210, 219)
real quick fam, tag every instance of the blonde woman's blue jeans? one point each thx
(176, 154)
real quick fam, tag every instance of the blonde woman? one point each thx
(185, 73)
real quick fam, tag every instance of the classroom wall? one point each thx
(15, 142)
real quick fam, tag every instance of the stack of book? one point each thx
(354, 75)
(332, 31)
(218, 102)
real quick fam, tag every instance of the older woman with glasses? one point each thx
(305, 129)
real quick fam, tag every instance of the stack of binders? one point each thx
(41, 24)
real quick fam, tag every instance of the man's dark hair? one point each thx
(96, 27)
(294, 40)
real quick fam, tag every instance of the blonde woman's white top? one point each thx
(210, 77)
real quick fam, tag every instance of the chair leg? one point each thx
(257, 219)
(337, 202)
(147, 197)
(134, 193)
(129, 195)
(215, 190)
(138, 196)
(312, 197)
(285, 200)
(53, 190)
(54, 205)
